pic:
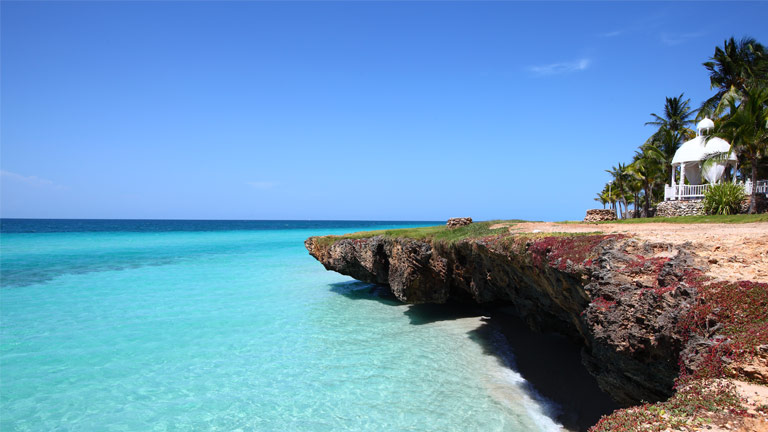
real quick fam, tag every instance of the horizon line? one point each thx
(231, 220)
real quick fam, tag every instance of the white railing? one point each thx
(762, 186)
(677, 192)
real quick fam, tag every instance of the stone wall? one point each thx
(679, 208)
(696, 207)
(458, 222)
(599, 215)
(762, 203)
(630, 214)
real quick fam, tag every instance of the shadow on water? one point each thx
(429, 313)
(549, 363)
(356, 290)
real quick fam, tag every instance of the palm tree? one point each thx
(619, 177)
(668, 142)
(648, 167)
(602, 198)
(635, 186)
(676, 116)
(734, 68)
(747, 129)
(607, 196)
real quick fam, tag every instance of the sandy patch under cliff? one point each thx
(732, 251)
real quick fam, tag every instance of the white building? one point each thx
(689, 163)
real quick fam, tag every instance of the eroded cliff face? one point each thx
(619, 297)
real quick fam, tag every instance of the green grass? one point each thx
(732, 219)
(439, 233)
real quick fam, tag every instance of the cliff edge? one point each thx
(633, 303)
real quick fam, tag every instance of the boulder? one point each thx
(459, 222)
(599, 215)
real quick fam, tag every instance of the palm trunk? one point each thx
(669, 174)
(626, 207)
(647, 206)
(753, 194)
(637, 200)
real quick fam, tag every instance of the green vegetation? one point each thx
(690, 407)
(738, 73)
(736, 218)
(439, 233)
(723, 199)
(747, 129)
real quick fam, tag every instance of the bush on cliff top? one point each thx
(723, 199)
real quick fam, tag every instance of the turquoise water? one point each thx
(229, 329)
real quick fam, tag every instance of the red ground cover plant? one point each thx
(557, 250)
(645, 265)
(603, 304)
(685, 409)
(734, 316)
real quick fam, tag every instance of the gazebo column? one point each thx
(672, 184)
(682, 179)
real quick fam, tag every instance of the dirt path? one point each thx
(733, 251)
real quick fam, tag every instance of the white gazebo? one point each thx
(690, 158)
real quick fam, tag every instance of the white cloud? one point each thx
(611, 34)
(30, 180)
(677, 39)
(262, 185)
(561, 68)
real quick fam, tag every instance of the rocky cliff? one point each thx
(619, 297)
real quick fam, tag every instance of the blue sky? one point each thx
(339, 110)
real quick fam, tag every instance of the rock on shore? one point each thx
(619, 297)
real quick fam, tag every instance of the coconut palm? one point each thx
(668, 142)
(648, 167)
(746, 127)
(734, 68)
(619, 178)
(677, 116)
(602, 198)
(608, 196)
(634, 187)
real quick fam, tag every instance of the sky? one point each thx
(339, 110)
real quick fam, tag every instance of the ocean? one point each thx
(232, 326)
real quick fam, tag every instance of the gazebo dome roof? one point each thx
(699, 148)
(718, 145)
(705, 124)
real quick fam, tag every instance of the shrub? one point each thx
(723, 199)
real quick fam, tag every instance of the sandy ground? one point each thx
(753, 396)
(733, 251)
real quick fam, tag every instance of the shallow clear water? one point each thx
(143, 327)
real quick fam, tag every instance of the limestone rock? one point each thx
(458, 222)
(600, 290)
(679, 208)
(600, 215)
